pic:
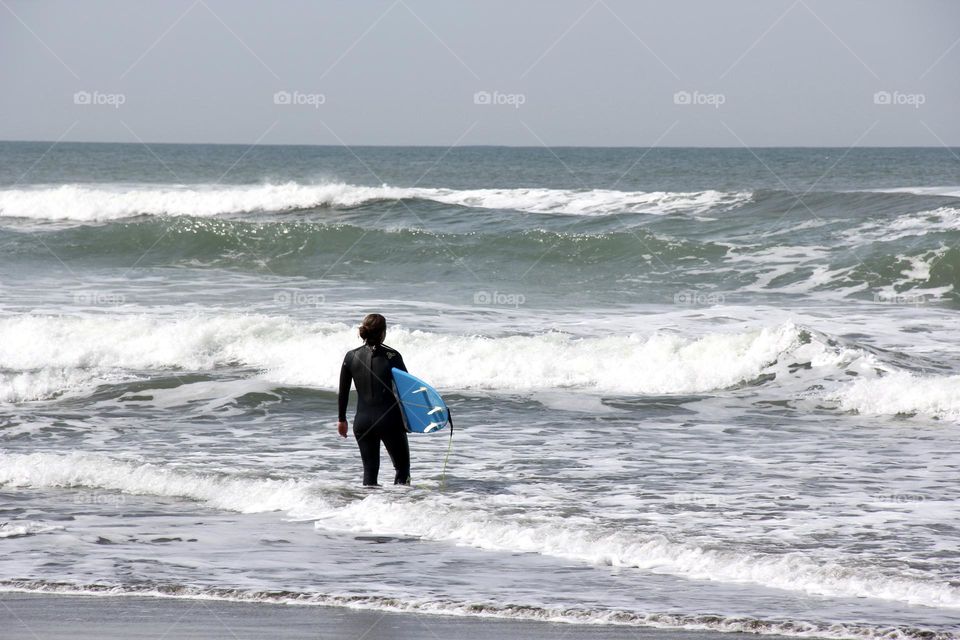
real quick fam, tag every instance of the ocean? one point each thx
(693, 388)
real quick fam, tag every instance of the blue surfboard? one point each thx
(424, 411)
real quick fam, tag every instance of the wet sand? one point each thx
(53, 617)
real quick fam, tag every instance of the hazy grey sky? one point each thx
(513, 72)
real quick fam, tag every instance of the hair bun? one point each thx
(373, 328)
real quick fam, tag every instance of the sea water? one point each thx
(698, 388)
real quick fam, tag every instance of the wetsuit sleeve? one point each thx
(346, 378)
(398, 362)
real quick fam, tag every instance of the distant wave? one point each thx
(476, 523)
(952, 192)
(92, 202)
(869, 252)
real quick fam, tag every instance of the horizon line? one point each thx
(477, 146)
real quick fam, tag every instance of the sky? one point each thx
(483, 72)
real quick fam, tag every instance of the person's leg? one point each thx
(369, 445)
(395, 440)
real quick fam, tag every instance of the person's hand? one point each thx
(342, 428)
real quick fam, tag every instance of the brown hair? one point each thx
(373, 329)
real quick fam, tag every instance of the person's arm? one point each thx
(343, 397)
(398, 362)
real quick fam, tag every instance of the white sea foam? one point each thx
(914, 287)
(46, 382)
(903, 393)
(907, 225)
(109, 202)
(45, 470)
(478, 523)
(953, 192)
(22, 528)
(49, 354)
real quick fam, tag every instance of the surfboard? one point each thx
(424, 411)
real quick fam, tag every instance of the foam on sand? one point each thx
(449, 607)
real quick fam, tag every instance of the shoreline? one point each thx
(94, 617)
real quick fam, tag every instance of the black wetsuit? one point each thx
(378, 412)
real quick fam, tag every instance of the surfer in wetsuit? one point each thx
(378, 415)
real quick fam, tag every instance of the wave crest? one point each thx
(50, 355)
(90, 202)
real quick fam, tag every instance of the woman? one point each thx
(378, 412)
